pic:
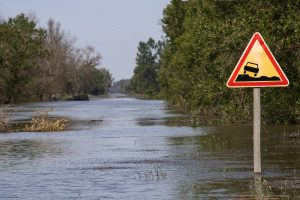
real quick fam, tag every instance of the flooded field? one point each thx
(125, 148)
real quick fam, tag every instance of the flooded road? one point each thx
(125, 148)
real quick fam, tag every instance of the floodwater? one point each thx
(125, 148)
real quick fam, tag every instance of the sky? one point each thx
(113, 27)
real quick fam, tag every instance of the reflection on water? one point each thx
(124, 148)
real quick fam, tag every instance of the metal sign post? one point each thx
(256, 132)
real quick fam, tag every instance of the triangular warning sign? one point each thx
(257, 67)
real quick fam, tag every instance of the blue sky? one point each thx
(113, 27)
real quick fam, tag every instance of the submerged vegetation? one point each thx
(203, 42)
(43, 122)
(40, 122)
(44, 64)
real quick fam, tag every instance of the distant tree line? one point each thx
(38, 63)
(120, 86)
(204, 41)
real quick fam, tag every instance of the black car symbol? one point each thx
(251, 67)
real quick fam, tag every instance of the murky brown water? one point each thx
(124, 148)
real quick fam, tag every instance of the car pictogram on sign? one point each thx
(251, 67)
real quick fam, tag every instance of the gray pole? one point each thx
(256, 131)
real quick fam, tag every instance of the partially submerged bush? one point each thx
(43, 122)
(4, 119)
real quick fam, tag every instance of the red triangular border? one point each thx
(231, 81)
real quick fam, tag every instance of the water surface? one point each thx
(125, 148)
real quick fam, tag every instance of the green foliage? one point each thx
(100, 81)
(173, 19)
(21, 46)
(204, 43)
(144, 80)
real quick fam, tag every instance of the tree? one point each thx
(147, 66)
(67, 70)
(101, 81)
(21, 46)
(87, 71)
(57, 70)
(173, 19)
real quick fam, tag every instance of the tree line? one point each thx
(203, 42)
(41, 63)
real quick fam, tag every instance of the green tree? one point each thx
(102, 82)
(21, 46)
(144, 80)
(173, 19)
